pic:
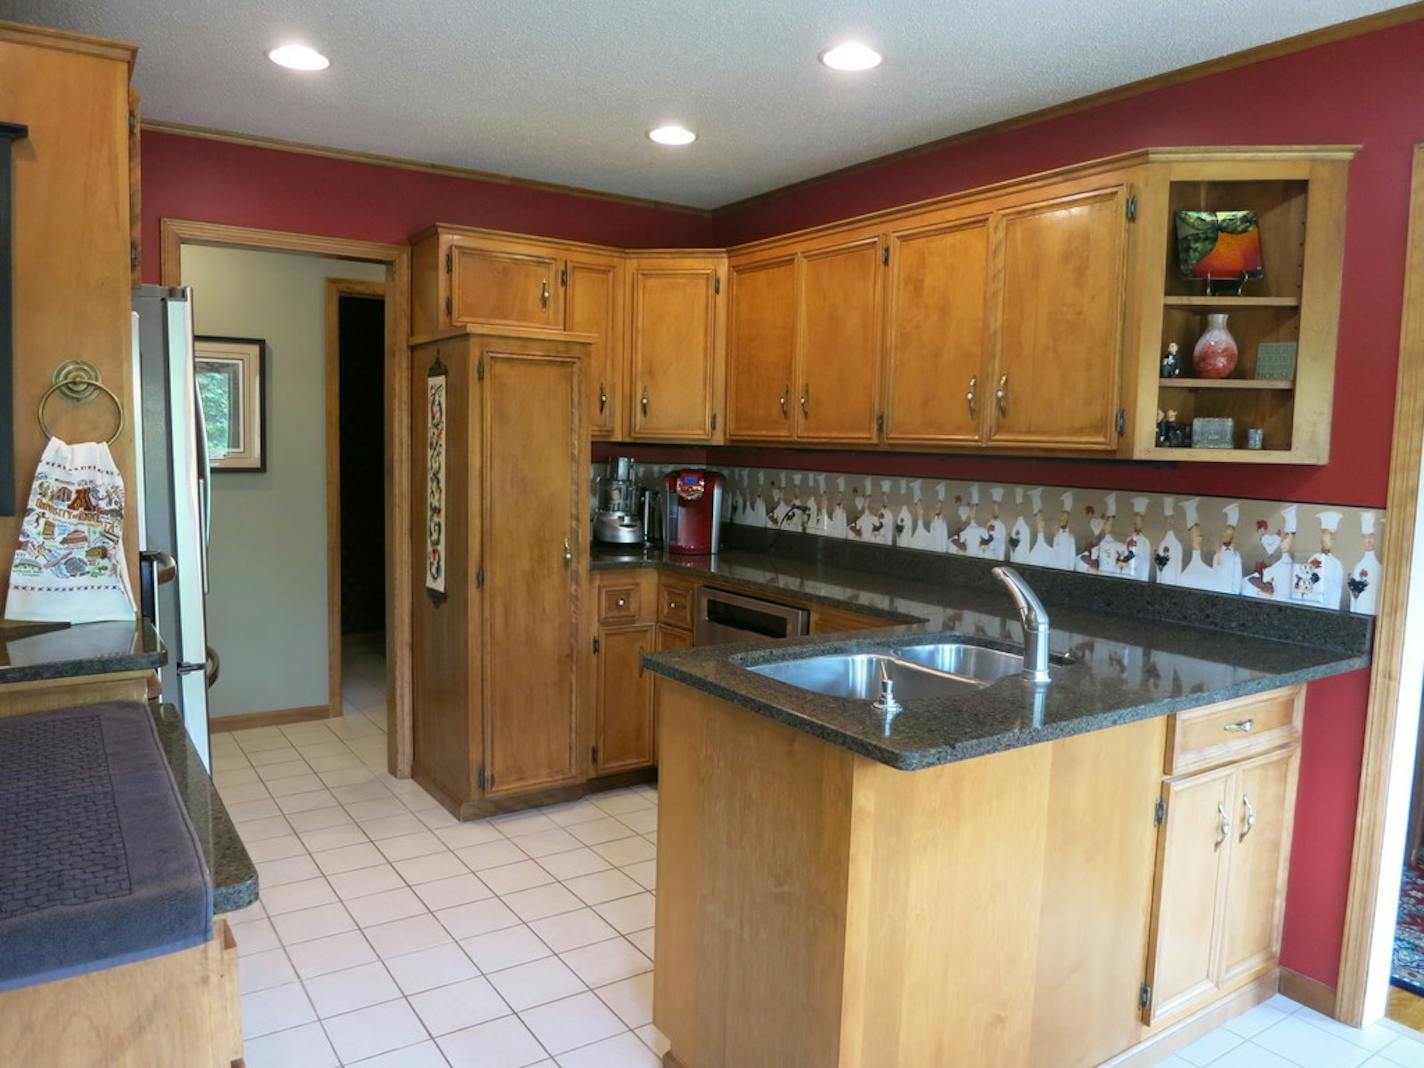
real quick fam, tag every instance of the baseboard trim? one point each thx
(1186, 1031)
(273, 718)
(1311, 993)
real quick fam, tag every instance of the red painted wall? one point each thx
(213, 181)
(1368, 90)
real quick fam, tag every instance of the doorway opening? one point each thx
(356, 501)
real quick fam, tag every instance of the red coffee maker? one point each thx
(692, 511)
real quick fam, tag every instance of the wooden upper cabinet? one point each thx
(675, 342)
(504, 287)
(935, 379)
(1058, 324)
(593, 303)
(761, 350)
(838, 351)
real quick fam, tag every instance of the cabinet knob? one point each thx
(785, 396)
(1224, 827)
(1002, 395)
(568, 552)
(644, 400)
(969, 396)
(602, 398)
(1240, 727)
(806, 400)
(1250, 816)
(622, 603)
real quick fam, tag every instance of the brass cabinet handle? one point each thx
(544, 294)
(971, 394)
(1002, 395)
(568, 552)
(785, 396)
(644, 400)
(1250, 816)
(806, 400)
(602, 398)
(1241, 727)
(1224, 827)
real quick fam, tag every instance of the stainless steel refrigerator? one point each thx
(172, 499)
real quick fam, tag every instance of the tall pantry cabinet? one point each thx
(500, 457)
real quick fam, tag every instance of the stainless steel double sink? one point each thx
(933, 669)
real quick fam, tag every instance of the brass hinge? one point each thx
(449, 260)
(563, 276)
(480, 778)
(1159, 812)
(1132, 207)
(717, 283)
(480, 369)
(1144, 996)
(1121, 421)
(480, 578)
(885, 255)
(133, 253)
(133, 123)
(595, 645)
(449, 309)
(880, 423)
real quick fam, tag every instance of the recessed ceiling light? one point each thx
(852, 55)
(298, 57)
(672, 135)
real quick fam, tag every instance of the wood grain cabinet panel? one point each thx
(1057, 327)
(675, 330)
(593, 304)
(623, 734)
(936, 384)
(838, 352)
(761, 350)
(504, 287)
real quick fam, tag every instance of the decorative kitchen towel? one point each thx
(69, 562)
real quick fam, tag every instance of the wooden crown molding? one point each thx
(448, 171)
(1274, 50)
(83, 43)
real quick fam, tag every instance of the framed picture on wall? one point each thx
(232, 383)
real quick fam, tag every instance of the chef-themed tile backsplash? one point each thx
(1320, 555)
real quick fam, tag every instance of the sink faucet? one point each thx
(1035, 623)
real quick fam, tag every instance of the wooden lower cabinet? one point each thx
(836, 621)
(623, 726)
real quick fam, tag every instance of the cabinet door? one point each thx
(1193, 851)
(623, 726)
(593, 298)
(1059, 271)
(532, 409)
(1260, 855)
(674, 351)
(838, 357)
(761, 350)
(934, 363)
(504, 287)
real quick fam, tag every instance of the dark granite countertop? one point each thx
(84, 649)
(233, 874)
(1138, 650)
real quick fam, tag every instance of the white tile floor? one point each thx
(389, 935)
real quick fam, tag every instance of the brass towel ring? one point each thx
(79, 381)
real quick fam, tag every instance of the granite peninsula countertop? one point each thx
(233, 874)
(80, 650)
(1137, 651)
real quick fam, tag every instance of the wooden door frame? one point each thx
(336, 288)
(1397, 671)
(174, 234)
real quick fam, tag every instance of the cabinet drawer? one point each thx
(1234, 730)
(621, 603)
(675, 604)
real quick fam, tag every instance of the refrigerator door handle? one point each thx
(211, 666)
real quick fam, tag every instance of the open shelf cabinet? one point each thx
(1298, 194)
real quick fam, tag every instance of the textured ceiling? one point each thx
(563, 90)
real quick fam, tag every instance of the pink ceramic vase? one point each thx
(1215, 353)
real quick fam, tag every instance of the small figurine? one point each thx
(1170, 433)
(1171, 362)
